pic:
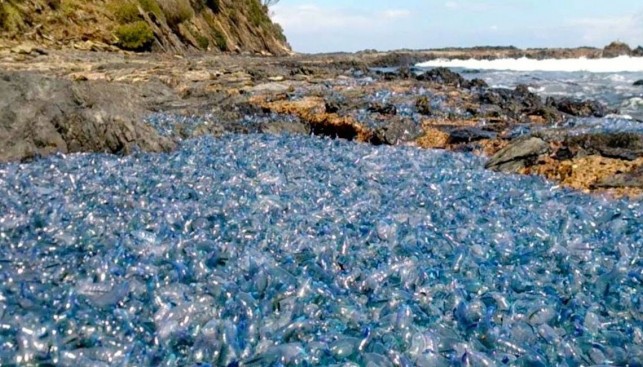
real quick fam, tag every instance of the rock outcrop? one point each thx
(586, 161)
(41, 116)
(616, 49)
(176, 26)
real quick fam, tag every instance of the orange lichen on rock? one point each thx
(433, 139)
(489, 147)
(536, 119)
(311, 110)
(584, 172)
(431, 123)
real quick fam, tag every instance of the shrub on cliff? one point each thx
(220, 39)
(10, 18)
(125, 11)
(257, 13)
(176, 11)
(136, 36)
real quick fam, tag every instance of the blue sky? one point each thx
(351, 25)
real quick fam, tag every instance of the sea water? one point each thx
(607, 80)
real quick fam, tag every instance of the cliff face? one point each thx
(145, 25)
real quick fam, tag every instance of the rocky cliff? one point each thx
(145, 25)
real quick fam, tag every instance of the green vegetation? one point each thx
(10, 18)
(203, 41)
(68, 8)
(136, 36)
(152, 6)
(279, 32)
(176, 11)
(125, 11)
(220, 39)
(257, 13)
(212, 24)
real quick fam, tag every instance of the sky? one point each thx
(352, 25)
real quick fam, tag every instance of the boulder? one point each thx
(638, 83)
(628, 179)
(477, 83)
(396, 131)
(579, 108)
(517, 103)
(521, 153)
(443, 76)
(620, 145)
(41, 116)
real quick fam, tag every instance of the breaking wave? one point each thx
(613, 65)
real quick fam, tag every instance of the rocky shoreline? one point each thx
(80, 101)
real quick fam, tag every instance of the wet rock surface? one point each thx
(580, 108)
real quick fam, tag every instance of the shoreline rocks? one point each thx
(42, 116)
(97, 102)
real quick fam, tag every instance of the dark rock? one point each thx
(616, 49)
(405, 72)
(443, 76)
(423, 105)
(395, 59)
(477, 83)
(302, 70)
(638, 83)
(517, 103)
(384, 109)
(622, 145)
(638, 51)
(563, 153)
(487, 110)
(389, 75)
(285, 127)
(41, 116)
(470, 134)
(629, 179)
(521, 153)
(332, 105)
(398, 130)
(580, 108)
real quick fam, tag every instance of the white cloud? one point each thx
(395, 13)
(452, 5)
(310, 18)
(600, 31)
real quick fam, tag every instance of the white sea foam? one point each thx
(613, 65)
